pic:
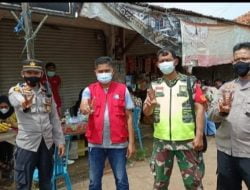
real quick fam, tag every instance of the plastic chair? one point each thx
(60, 168)
(136, 122)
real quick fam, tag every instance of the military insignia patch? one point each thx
(182, 91)
(32, 63)
(159, 91)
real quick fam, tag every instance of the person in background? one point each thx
(75, 108)
(55, 84)
(218, 83)
(110, 132)
(174, 128)
(232, 109)
(141, 92)
(7, 116)
(137, 101)
(7, 113)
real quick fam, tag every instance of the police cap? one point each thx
(32, 65)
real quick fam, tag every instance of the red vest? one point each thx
(115, 98)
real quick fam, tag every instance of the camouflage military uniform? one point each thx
(190, 161)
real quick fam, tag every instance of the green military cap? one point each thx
(32, 65)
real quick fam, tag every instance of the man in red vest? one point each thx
(110, 132)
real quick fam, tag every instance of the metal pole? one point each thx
(28, 30)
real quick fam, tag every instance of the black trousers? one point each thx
(26, 161)
(6, 150)
(231, 171)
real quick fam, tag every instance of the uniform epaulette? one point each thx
(15, 89)
(183, 77)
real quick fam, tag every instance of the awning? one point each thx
(198, 44)
(157, 27)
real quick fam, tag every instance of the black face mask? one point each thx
(242, 68)
(32, 81)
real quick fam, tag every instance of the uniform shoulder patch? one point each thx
(159, 80)
(15, 89)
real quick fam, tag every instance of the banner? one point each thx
(160, 28)
(206, 45)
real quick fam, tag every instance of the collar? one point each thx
(171, 83)
(39, 89)
(243, 84)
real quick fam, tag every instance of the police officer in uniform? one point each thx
(39, 128)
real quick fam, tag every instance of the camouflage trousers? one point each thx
(190, 163)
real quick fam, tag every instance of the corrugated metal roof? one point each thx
(245, 18)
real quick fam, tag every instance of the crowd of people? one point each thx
(181, 107)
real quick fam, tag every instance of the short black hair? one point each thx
(244, 45)
(166, 50)
(218, 80)
(103, 60)
(50, 64)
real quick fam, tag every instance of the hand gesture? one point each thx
(151, 98)
(27, 101)
(88, 106)
(225, 103)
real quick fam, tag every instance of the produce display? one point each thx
(4, 127)
(74, 128)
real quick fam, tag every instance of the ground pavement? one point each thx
(140, 177)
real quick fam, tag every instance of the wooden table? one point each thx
(10, 136)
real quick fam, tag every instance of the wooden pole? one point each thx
(28, 31)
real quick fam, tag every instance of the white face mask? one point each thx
(166, 67)
(104, 78)
(4, 110)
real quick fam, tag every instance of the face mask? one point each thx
(104, 78)
(51, 73)
(32, 81)
(242, 68)
(4, 110)
(166, 67)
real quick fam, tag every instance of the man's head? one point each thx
(32, 72)
(142, 82)
(218, 83)
(166, 60)
(104, 69)
(50, 69)
(241, 62)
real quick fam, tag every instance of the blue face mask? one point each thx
(4, 110)
(166, 67)
(51, 73)
(104, 78)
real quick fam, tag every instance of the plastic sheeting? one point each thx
(160, 28)
(206, 45)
